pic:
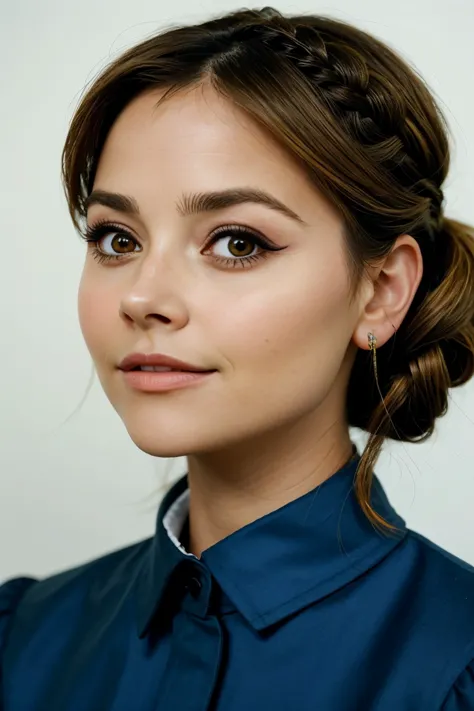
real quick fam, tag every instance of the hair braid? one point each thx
(363, 100)
(372, 139)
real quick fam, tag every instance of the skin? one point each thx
(270, 425)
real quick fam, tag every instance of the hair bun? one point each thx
(432, 351)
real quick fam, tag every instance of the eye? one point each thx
(122, 241)
(239, 238)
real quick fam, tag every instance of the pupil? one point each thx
(122, 241)
(240, 243)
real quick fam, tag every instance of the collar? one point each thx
(283, 561)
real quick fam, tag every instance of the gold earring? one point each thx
(372, 347)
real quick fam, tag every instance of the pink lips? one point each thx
(148, 381)
(134, 360)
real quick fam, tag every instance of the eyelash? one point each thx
(95, 232)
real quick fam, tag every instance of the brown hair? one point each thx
(370, 136)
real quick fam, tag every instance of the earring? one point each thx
(372, 347)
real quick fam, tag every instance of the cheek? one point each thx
(289, 327)
(94, 315)
(285, 348)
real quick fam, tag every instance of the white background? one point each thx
(71, 492)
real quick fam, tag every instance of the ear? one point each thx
(390, 292)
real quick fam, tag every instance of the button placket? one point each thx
(197, 589)
(194, 586)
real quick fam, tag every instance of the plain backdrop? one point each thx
(73, 490)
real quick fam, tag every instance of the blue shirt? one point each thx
(307, 608)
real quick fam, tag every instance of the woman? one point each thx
(262, 202)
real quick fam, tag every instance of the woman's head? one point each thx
(333, 125)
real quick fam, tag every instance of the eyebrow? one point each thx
(193, 204)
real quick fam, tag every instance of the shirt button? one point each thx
(194, 586)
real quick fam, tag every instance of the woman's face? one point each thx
(276, 329)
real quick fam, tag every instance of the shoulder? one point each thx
(442, 586)
(444, 575)
(11, 593)
(25, 601)
(440, 592)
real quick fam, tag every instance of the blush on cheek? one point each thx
(91, 313)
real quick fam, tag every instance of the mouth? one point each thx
(162, 369)
(153, 379)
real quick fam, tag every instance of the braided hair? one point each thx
(371, 137)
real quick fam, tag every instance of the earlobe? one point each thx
(368, 336)
(394, 289)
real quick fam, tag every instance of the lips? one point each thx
(162, 369)
(135, 360)
(164, 381)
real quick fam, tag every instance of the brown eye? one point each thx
(122, 243)
(240, 246)
(243, 246)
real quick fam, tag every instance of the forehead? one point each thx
(198, 121)
(198, 140)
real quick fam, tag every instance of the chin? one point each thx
(158, 444)
(163, 452)
(161, 441)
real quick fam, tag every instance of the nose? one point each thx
(154, 295)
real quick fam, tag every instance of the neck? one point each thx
(231, 489)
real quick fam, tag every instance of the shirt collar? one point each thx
(283, 561)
